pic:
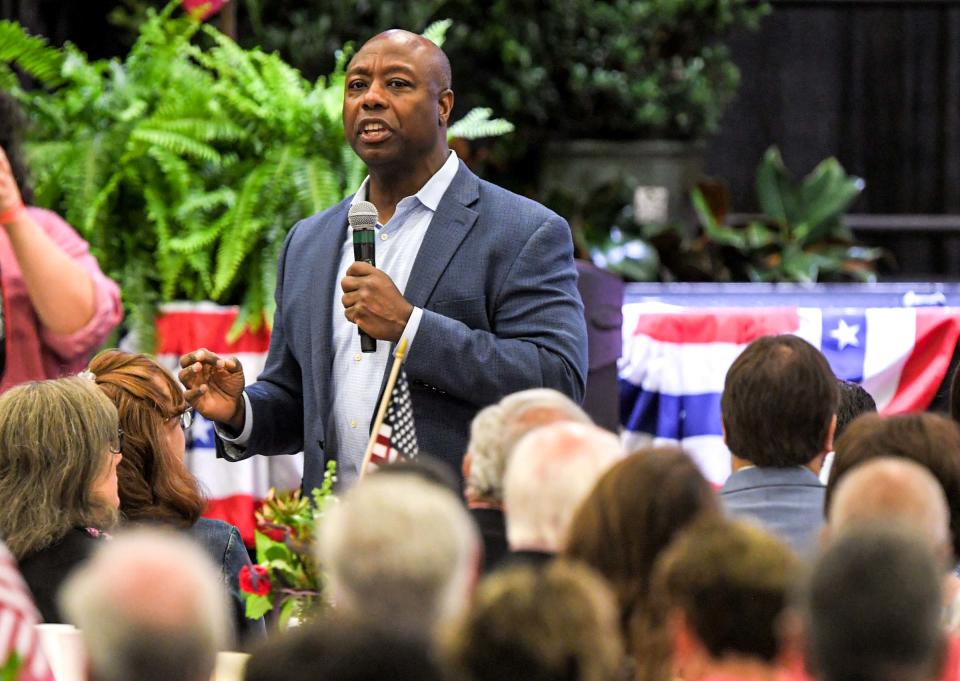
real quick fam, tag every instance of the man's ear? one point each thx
(828, 443)
(445, 106)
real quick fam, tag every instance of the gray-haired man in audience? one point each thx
(494, 432)
(400, 549)
(551, 470)
(151, 607)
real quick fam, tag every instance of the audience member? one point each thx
(154, 482)
(888, 489)
(494, 432)
(151, 608)
(779, 408)
(399, 549)
(558, 623)
(59, 450)
(337, 649)
(427, 467)
(931, 440)
(631, 515)
(551, 470)
(872, 609)
(57, 305)
(854, 401)
(721, 589)
(20, 616)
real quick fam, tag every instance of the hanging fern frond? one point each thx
(178, 143)
(30, 53)
(477, 123)
(437, 31)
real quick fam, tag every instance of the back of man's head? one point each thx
(551, 470)
(778, 404)
(151, 607)
(729, 583)
(342, 649)
(558, 623)
(398, 548)
(854, 401)
(931, 440)
(496, 430)
(899, 490)
(872, 608)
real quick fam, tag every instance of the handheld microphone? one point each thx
(363, 218)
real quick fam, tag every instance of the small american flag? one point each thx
(397, 437)
(18, 616)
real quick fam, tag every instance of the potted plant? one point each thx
(642, 85)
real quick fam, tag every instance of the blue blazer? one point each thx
(788, 502)
(496, 279)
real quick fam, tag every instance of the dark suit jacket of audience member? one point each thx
(602, 294)
(47, 569)
(493, 532)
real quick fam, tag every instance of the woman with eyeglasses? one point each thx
(59, 450)
(155, 484)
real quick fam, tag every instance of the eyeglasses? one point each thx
(119, 449)
(185, 417)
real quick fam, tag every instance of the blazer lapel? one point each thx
(326, 249)
(450, 224)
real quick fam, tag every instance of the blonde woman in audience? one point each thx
(553, 623)
(155, 484)
(630, 517)
(59, 449)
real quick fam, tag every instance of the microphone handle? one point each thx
(363, 250)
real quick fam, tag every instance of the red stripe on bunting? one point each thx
(238, 510)
(738, 326)
(180, 332)
(924, 371)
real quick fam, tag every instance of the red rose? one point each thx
(254, 579)
(275, 533)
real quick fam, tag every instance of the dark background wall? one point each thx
(876, 84)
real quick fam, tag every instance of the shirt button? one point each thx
(357, 357)
(384, 236)
(353, 423)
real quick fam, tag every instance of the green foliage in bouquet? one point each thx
(801, 237)
(186, 163)
(286, 578)
(10, 671)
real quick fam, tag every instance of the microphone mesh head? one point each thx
(362, 215)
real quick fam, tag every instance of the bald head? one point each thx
(889, 489)
(420, 48)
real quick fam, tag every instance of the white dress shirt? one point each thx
(357, 375)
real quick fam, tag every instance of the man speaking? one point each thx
(489, 302)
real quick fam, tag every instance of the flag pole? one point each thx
(398, 358)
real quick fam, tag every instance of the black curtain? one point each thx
(876, 84)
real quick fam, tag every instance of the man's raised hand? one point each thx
(214, 386)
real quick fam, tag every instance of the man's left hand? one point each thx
(374, 303)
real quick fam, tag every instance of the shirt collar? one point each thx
(431, 192)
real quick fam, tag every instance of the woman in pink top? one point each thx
(56, 305)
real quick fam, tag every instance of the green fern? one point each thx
(477, 123)
(437, 31)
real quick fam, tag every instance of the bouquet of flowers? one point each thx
(286, 579)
